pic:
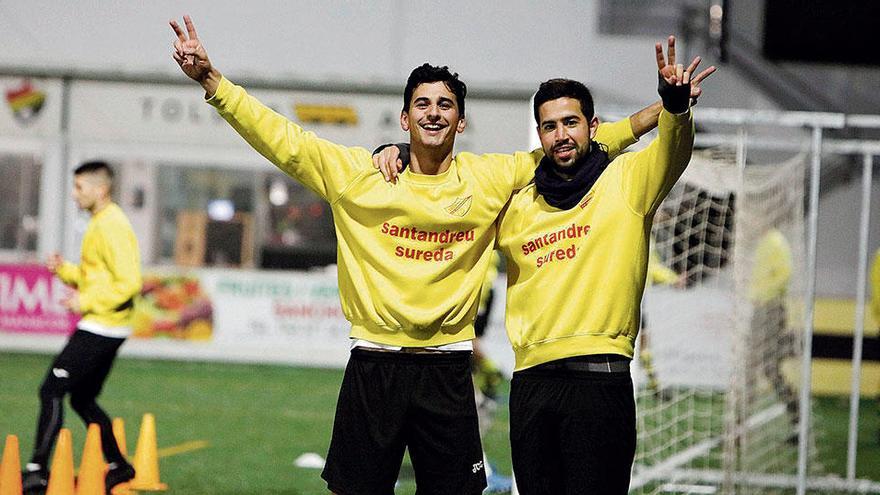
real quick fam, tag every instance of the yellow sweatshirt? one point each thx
(108, 276)
(771, 271)
(875, 287)
(411, 256)
(576, 277)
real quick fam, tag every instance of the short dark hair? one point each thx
(99, 168)
(427, 73)
(94, 166)
(564, 88)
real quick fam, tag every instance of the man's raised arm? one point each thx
(649, 174)
(322, 166)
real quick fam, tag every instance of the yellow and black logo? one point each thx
(326, 114)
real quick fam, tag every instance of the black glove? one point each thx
(404, 151)
(676, 99)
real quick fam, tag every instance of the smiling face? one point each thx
(565, 131)
(432, 117)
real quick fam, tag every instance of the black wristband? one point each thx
(676, 99)
(404, 151)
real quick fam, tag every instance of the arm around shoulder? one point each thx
(616, 136)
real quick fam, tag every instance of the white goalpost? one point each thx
(723, 397)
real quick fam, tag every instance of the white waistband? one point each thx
(465, 345)
(104, 330)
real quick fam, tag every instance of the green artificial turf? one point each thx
(258, 419)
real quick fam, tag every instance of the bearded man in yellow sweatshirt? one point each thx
(577, 243)
(107, 279)
(412, 256)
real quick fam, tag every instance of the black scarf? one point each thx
(564, 194)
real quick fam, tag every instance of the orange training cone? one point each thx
(92, 468)
(146, 458)
(10, 468)
(119, 435)
(61, 475)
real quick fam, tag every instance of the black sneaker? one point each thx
(34, 482)
(118, 473)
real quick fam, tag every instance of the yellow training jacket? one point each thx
(412, 256)
(875, 287)
(108, 276)
(771, 269)
(576, 277)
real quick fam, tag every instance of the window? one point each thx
(218, 216)
(19, 202)
(205, 216)
(300, 231)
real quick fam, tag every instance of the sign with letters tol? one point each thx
(177, 114)
(30, 301)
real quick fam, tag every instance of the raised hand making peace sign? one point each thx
(192, 58)
(674, 74)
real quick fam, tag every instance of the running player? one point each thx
(106, 281)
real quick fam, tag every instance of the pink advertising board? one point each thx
(30, 301)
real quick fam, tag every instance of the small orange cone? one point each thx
(146, 458)
(61, 475)
(119, 434)
(10, 468)
(92, 468)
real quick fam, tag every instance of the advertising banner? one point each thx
(30, 301)
(210, 314)
(173, 306)
(293, 307)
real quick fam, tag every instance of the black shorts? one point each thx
(390, 401)
(572, 431)
(83, 365)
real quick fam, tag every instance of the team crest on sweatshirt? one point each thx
(460, 206)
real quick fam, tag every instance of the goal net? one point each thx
(718, 367)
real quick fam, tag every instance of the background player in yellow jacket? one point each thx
(770, 342)
(875, 287)
(577, 243)
(412, 257)
(875, 307)
(107, 279)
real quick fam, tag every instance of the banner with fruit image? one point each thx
(173, 306)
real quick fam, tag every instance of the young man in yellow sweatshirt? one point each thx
(577, 243)
(107, 279)
(412, 256)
